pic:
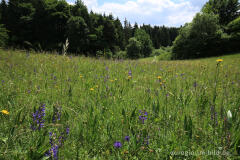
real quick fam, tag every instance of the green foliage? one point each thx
(146, 43)
(165, 56)
(120, 55)
(46, 24)
(227, 10)
(134, 48)
(188, 126)
(3, 36)
(234, 26)
(197, 39)
(77, 32)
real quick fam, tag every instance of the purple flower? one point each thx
(56, 114)
(67, 130)
(195, 84)
(38, 118)
(117, 144)
(143, 116)
(127, 138)
(130, 73)
(53, 151)
(146, 140)
(142, 119)
(214, 115)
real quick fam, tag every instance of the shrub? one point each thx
(3, 36)
(134, 48)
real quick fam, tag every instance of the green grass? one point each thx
(100, 103)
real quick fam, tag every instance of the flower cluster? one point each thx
(56, 143)
(143, 116)
(38, 118)
(118, 144)
(129, 74)
(56, 114)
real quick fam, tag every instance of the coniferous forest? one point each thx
(44, 25)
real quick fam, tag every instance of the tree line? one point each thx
(44, 25)
(214, 31)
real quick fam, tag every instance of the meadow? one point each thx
(66, 107)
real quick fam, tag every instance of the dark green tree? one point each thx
(3, 36)
(77, 34)
(227, 10)
(146, 43)
(134, 48)
(199, 38)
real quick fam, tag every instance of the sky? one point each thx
(171, 13)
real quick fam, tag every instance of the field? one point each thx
(66, 107)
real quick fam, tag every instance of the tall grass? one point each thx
(86, 107)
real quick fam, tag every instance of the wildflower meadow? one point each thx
(65, 107)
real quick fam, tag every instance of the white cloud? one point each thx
(154, 12)
(91, 3)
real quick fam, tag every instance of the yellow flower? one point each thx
(81, 76)
(5, 112)
(111, 80)
(159, 77)
(219, 60)
(91, 89)
(129, 77)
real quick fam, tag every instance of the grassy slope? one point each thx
(155, 59)
(101, 104)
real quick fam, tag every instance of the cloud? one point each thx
(154, 12)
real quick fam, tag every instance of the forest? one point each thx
(46, 25)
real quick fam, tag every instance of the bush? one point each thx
(146, 43)
(200, 38)
(234, 26)
(162, 50)
(3, 36)
(108, 54)
(120, 55)
(134, 48)
(165, 56)
(99, 54)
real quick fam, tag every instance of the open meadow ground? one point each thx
(81, 108)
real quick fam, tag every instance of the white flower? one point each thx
(229, 114)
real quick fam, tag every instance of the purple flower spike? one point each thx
(67, 130)
(143, 116)
(127, 138)
(117, 144)
(195, 84)
(142, 119)
(38, 118)
(130, 73)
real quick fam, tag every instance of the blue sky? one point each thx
(154, 12)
